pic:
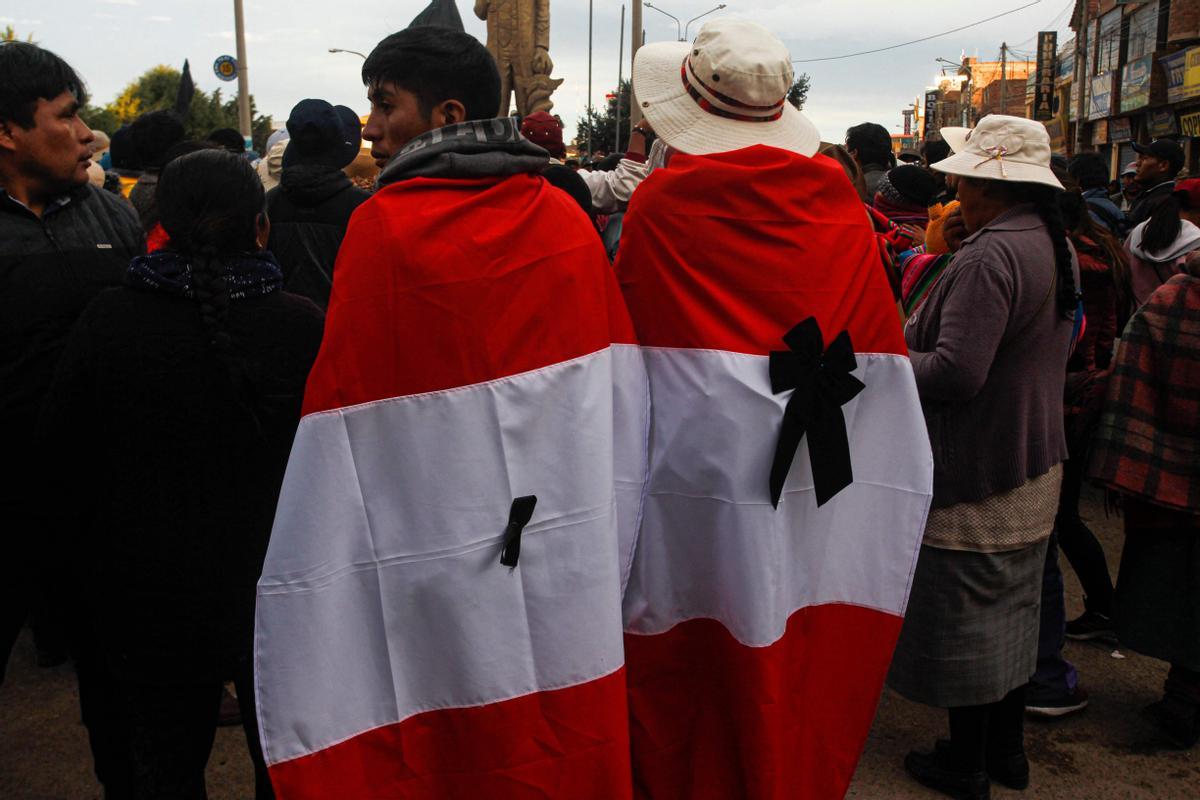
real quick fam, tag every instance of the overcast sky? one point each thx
(110, 42)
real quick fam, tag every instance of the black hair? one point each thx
(1162, 229)
(872, 143)
(28, 74)
(229, 139)
(209, 203)
(1090, 169)
(437, 64)
(120, 147)
(1046, 203)
(153, 135)
(935, 150)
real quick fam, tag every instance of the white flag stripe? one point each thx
(711, 546)
(416, 566)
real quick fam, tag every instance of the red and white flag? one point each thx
(758, 638)
(477, 351)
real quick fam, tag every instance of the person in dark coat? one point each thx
(61, 242)
(170, 418)
(311, 207)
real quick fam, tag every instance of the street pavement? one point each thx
(1107, 751)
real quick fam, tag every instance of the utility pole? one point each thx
(635, 41)
(591, 119)
(1004, 77)
(620, 73)
(239, 24)
(1081, 75)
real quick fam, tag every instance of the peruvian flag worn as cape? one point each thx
(758, 638)
(476, 351)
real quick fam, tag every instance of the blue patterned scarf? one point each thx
(247, 275)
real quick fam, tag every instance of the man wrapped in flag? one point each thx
(439, 613)
(790, 469)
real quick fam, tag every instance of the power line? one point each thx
(1051, 25)
(915, 41)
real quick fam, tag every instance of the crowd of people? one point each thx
(193, 339)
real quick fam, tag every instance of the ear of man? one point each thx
(448, 112)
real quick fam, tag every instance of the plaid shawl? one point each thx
(1148, 442)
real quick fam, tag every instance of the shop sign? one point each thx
(1100, 132)
(1043, 96)
(1100, 96)
(1189, 125)
(1174, 66)
(1135, 84)
(930, 121)
(1065, 71)
(1191, 75)
(1120, 129)
(1161, 123)
(1058, 134)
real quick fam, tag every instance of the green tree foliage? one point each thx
(155, 90)
(799, 91)
(603, 124)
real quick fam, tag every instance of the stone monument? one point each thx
(519, 39)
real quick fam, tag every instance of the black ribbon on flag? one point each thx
(518, 517)
(821, 384)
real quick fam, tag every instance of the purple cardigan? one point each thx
(989, 349)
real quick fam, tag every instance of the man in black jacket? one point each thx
(1157, 165)
(61, 242)
(311, 207)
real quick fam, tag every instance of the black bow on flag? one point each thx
(823, 384)
(518, 517)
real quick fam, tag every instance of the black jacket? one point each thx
(309, 212)
(172, 481)
(1145, 203)
(50, 269)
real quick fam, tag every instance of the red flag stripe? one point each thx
(712, 719)
(494, 283)
(567, 743)
(796, 243)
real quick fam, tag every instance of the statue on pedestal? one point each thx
(519, 39)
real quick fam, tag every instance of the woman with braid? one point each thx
(174, 409)
(989, 348)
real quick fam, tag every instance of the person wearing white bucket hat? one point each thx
(700, 96)
(989, 347)
(784, 573)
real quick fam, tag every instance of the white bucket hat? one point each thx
(725, 91)
(1000, 148)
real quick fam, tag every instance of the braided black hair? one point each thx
(209, 203)
(1046, 203)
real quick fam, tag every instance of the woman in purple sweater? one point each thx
(989, 348)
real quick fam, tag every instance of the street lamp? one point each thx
(693, 19)
(354, 52)
(678, 24)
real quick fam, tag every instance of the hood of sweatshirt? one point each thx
(1187, 241)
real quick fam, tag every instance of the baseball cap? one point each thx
(1165, 149)
(1130, 168)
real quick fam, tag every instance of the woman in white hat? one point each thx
(989, 348)
(767, 587)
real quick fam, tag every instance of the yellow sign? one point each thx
(1191, 74)
(1189, 125)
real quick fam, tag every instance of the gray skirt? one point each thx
(970, 635)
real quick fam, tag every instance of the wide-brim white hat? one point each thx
(736, 69)
(1000, 148)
